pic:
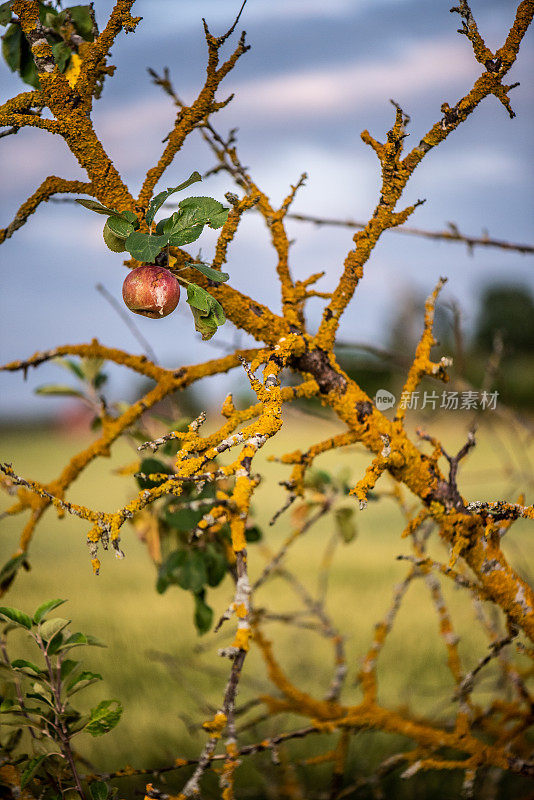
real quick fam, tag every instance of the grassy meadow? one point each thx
(169, 679)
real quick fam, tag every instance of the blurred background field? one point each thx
(167, 677)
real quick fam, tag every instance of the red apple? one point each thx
(151, 291)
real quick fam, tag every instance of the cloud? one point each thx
(218, 13)
(417, 68)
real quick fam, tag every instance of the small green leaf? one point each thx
(120, 226)
(12, 47)
(253, 534)
(152, 466)
(129, 216)
(86, 678)
(10, 569)
(203, 614)
(72, 366)
(145, 247)
(181, 518)
(60, 390)
(47, 15)
(80, 639)
(114, 243)
(68, 668)
(216, 565)
(202, 210)
(5, 13)
(43, 609)
(36, 695)
(345, 523)
(207, 311)
(16, 616)
(28, 70)
(104, 717)
(81, 17)
(99, 790)
(186, 569)
(55, 643)
(157, 201)
(98, 208)
(51, 627)
(186, 236)
(31, 768)
(62, 53)
(21, 663)
(213, 274)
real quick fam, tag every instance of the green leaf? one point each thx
(85, 678)
(151, 466)
(203, 614)
(145, 247)
(114, 243)
(47, 15)
(181, 518)
(43, 609)
(194, 572)
(120, 227)
(28, 70)
(253, 534)
(12, 47)
(97, 207)
(16, 616)
(345, 523)
(99, 790)
(62, 53)
(216, 565)
(5, 13)
(81, 639)
(104, 717)
(157, 201)
(55, 643)
(31, 768)
(51, 627)
(99, 380)
(37, 695)
(202, 210)
(10, 569)
(83, 23)
(72, 366)
(186, 236)
(213, 274)
(129, 216)
(57, 389)
(185, 568)
(69, 667)
(207, 311)
(21, 663)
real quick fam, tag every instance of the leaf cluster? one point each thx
(56, 24)
(122, 234)
(36, 696)
(194, 564)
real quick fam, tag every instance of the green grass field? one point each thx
(152, 662)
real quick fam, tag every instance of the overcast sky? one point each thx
(317, 74)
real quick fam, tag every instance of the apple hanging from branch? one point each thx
(152, 290)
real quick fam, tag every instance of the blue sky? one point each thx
(316, 76)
